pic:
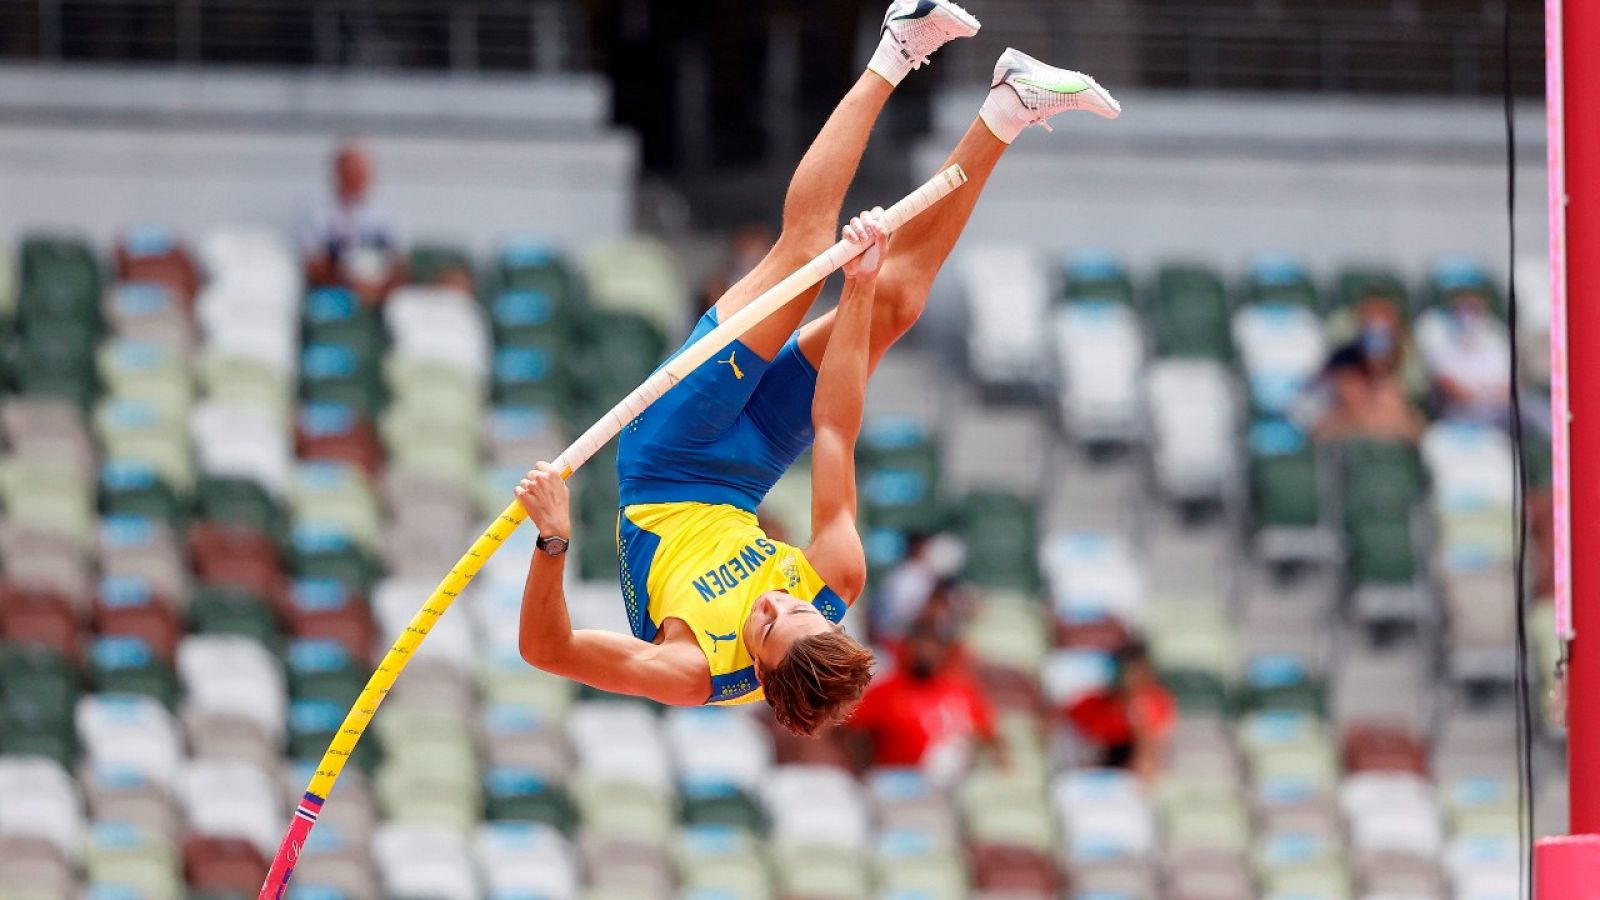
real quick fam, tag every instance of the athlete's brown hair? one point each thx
(818, 682)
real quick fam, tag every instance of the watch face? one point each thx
(555, 546)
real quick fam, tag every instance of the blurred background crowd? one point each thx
(1189, 506)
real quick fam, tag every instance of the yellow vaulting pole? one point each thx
(585, 447)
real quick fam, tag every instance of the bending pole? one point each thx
(344, 741)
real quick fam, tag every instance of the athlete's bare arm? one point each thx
(672, 672)
(836, 550)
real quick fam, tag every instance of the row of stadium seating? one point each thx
(225, 494)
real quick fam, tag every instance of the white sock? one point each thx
(888, 61)
(1004, 113)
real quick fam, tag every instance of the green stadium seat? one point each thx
(1382, 552)
(312, 725)
(1279, 684)
(325, 550)
(1198, 692)
(1359, 282)
(1189, 315)
(1284, 492)
(56, 359)
(719, 803)
(1001, 532)
(38, 692)
(522, 795)
(1285, 488)
(336, 316)
(60, 279)
(232, 610)
(532, 376)
(528, 265)
(321, 669)
(430, 263)
(899, 476)
(134, 488)
(1381, 480)
(340, 373)
(624, 347)
(238, 501)
(532, 318)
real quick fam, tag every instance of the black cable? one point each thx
(1523, 701)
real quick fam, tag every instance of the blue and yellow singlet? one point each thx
(706, 564)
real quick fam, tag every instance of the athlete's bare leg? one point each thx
(912, 31)
(810, 213)
(917, 251)
(1026, 92)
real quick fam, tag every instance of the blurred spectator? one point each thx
(1361, 399)
(347, 242)
(1130, 722)
(746, 248)
(1467, 352)
(906, 589)
(1377, 326)
(929, 711)
(920, 586)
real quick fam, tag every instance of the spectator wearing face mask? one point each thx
(1376, 325)
(930, 711)
(1467, 352)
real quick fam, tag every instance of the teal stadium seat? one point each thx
(128, 665)
(1454, 275)
(1093, 275)
(1281, 280)
(335, 316)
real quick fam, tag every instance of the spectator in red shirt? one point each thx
(930, 710)
(1131, 721)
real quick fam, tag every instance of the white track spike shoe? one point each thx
(913, 30)
(1028, 92)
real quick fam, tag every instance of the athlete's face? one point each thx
(776, 622)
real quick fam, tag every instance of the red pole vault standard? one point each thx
(1579, 93)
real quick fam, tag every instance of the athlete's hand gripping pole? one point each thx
(582, 449)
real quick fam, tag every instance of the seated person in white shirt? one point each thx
(1467, 353)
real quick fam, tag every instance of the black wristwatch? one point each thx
(552, 544)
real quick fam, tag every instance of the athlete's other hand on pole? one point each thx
(543, 493)
(867, 229)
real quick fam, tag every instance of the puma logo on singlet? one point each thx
(738, 374)
(719, 638)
